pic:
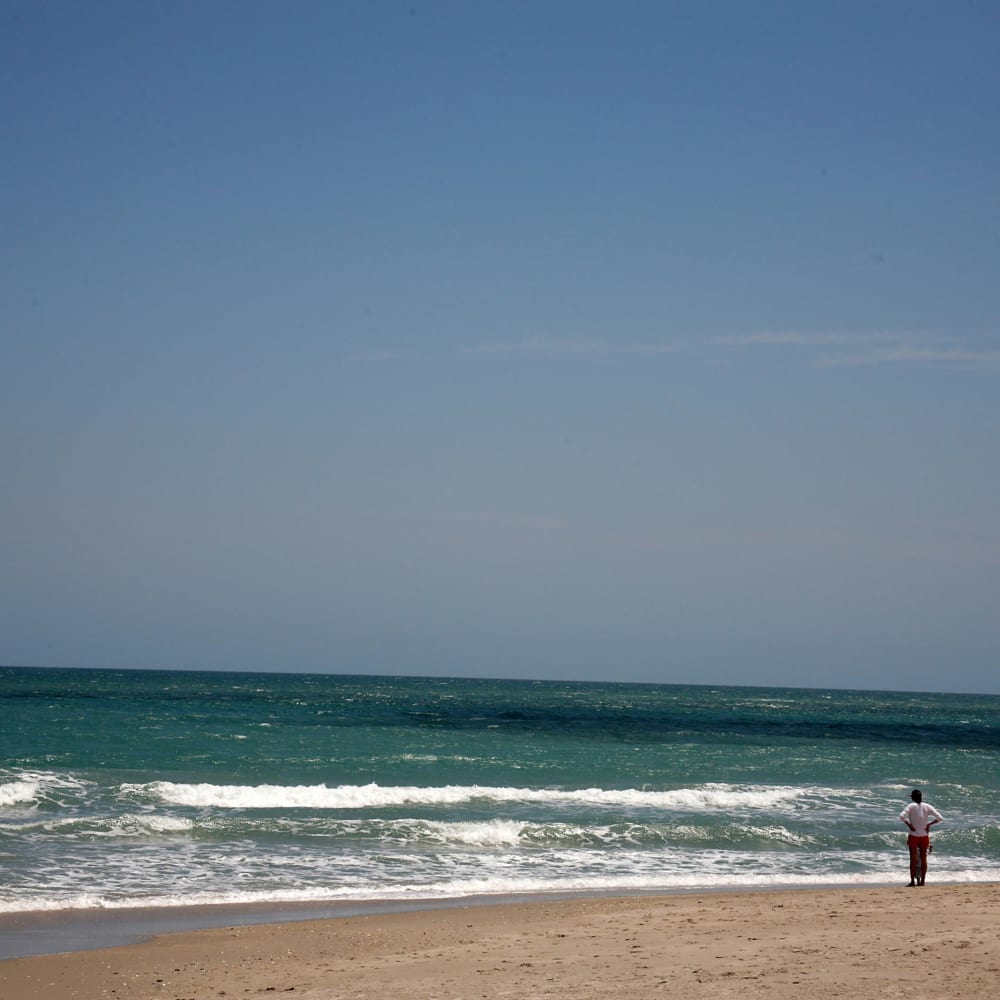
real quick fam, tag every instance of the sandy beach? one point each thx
(861, 943)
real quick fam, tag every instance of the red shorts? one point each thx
(918, 845)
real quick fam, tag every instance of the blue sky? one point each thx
(638, 341)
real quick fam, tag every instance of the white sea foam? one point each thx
(126, 825)
(492, 833)
(20, 787)
(515, 833)
(494, 885)
(135, 825)
(16, 792)
(709, 797)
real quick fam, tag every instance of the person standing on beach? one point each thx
(919, 816)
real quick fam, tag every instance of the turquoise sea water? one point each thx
(131, 788)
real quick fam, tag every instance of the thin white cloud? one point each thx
(912, 355)
(818, 349)
(871, 348)
(834, 338)
(553, 348)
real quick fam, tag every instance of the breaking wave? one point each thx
(707, 797)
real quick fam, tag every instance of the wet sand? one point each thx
(858, 943)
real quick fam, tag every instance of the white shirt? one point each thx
(917, 814)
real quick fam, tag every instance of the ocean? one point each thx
(133, 789)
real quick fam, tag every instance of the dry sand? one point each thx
(858, 943)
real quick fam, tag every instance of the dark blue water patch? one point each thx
(603, 712)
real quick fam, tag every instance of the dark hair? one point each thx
(916, 795)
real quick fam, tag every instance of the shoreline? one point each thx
(29, 933)
(861, 942)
